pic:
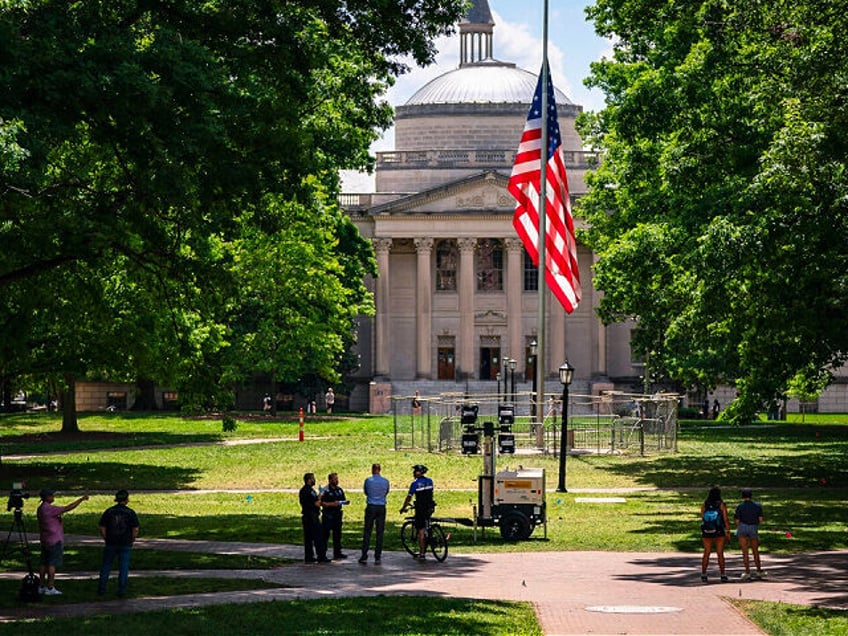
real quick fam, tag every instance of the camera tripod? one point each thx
(19, 530)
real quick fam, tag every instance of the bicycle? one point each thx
(434, 538)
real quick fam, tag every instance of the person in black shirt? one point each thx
(748, 517)
(332, 500)
(310, 517)
(119, 529)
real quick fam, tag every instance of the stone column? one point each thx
(514, 285)
(382, 247)
(423, 315)
(466, 289)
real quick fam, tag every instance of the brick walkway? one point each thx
(573, 592)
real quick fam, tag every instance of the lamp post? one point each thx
(512, 363)
(566, 375)
(498, 376)
(534, 350)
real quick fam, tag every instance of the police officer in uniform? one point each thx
(332, 501)
(314, 547)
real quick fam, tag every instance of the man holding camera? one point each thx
(51, 535)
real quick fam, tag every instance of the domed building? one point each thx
(457, 295)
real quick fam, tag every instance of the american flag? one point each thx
(561, 271)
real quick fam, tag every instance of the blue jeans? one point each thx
(109, 554)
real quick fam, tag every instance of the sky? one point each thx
(572, 47)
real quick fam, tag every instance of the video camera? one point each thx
(16, 496)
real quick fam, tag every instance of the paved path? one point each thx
(573, 592)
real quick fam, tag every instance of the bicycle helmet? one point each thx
(420, 468)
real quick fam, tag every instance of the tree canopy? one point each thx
(719, 213)
(168, 180)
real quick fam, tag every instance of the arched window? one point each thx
(489, 265)
(531, 274)
(447, 257)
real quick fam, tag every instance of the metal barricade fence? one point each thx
(612, 422)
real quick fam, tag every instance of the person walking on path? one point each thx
(314, 548)
(330, 400)
(715, 530)
(51, 536)
(119, 529)
(748, 517)
(422, 489)
(332, 501)
(376, 487)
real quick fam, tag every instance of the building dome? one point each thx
(485, 82)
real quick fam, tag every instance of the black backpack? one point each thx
(711, 521)
(29, 589)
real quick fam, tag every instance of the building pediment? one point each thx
(482, 193)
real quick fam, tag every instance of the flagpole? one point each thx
(542, 239)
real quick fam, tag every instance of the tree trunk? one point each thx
(7, 392)
(69, 405)
(146, 398)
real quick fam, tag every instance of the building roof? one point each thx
(488, 82)
(479, 13)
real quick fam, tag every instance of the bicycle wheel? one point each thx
(438, 542)
(409, 537)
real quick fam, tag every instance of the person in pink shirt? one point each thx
(51, 534)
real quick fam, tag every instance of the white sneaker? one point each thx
(52, 591)
(746, 576)
(761, 574)
(42, 589)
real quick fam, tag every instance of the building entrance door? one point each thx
(490, 362)
(446, 363)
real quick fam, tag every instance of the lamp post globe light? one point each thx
(566, 375)
(512, 363)
(534, 351)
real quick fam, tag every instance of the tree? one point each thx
(719, 211)
(150, 143)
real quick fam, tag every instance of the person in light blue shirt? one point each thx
(376, 487)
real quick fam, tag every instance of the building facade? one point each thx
(456, 293)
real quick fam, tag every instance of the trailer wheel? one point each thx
(515, 526)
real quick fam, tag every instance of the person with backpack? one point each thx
(118, 527)
(748, 517)
(715, 530)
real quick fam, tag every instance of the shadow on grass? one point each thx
(788, 456)
(54, 442)
(97, 476)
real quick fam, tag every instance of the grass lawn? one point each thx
(395, 615)
(188, 479)
(781, 619)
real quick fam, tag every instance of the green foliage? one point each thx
(168, 176)
(718, 211)
(228, 424)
